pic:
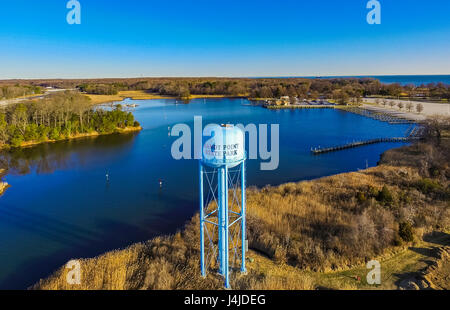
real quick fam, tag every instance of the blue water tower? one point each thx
(222, 201)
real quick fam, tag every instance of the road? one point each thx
(17, 100)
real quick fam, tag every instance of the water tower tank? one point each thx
(224, 148)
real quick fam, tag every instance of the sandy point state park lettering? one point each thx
(216, 150)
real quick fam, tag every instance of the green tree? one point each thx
(385, 196)
(54, 133)
(130, 120)
(406, 231)
(31, 133)
(3, 129)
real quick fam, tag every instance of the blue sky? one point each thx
(136, 38)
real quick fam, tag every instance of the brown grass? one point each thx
(3, 185)
(438, 273)
(133, 94)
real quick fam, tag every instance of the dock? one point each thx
(319, 150)
(379, 116)
(413, 133)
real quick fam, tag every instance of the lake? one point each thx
(61, 206)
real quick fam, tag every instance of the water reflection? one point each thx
(50, 157)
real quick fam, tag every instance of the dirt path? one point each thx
(425, 265)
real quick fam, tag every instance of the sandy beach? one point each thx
(429, 109)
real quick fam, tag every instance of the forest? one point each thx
(57, 117)
(14, 91)
(304, 88)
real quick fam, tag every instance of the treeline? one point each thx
(342, 89)
(8, 92)
(57, 117)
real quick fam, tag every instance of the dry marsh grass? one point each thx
(133, 94)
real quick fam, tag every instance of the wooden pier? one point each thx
(317, 151)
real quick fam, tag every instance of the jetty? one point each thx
(413, 133)
(319, 150)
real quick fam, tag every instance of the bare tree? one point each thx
(436, 125)
(409, 106)
(419, 108)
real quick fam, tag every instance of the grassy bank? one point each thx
(143, 95)
(3, 185)
(306, 235)
(133, 94)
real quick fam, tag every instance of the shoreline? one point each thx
(29, 144)
(143, 95)
(3, 185)
(411, 116)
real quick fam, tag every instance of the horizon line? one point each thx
(226, 77)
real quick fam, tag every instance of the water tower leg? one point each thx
(243, 217)
(221, 218)
(202, 223)
(227, 240)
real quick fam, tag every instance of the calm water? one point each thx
(60, 205)
(416, 80)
